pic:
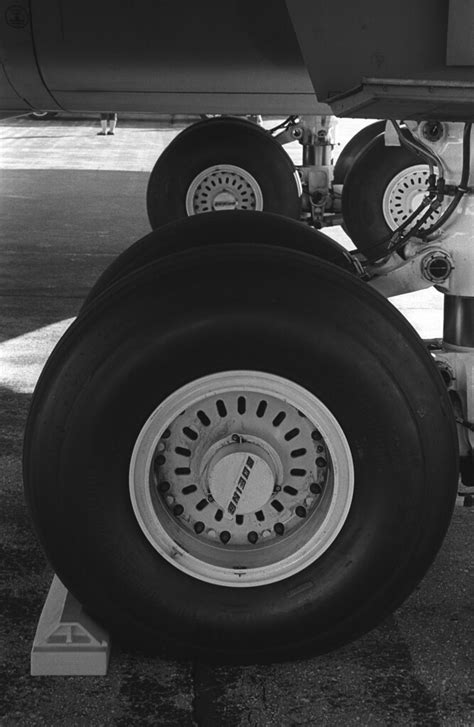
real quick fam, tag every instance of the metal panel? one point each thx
(460, 51)
(17, 57)
(400, 48)
(205, 57)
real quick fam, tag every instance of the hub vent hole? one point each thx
(189, 489)
(190, 433)
(280, 417)
(183, 451)
(298, 452)
(261, 409)
(203, 418)
(221, 408)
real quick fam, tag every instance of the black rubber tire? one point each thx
(363, 193)
(353, 148)
(255, 308)
(222, 140)
(223, 228)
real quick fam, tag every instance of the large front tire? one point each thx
(155, 394)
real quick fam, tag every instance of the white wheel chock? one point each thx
(67, 641)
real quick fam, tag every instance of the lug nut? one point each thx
(225, 536)
(315, 488)
(321, 462)
(198, 527)
(164, 487)
(300, 511)
(178, 510)
(252, 537)
(279, 528)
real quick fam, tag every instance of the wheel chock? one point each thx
(67, 641)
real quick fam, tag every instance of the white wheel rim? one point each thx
(404, 194)
(223, 187)
(241, 478)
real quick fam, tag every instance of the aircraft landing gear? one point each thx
(209, 440)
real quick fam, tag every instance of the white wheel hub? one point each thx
(404, 194)
(223, 187)
(241, 478)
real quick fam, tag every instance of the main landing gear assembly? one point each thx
(240, 449)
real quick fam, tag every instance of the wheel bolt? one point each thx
(252, 537)
(317, 436)
(279, 528)
(321, 462)
(164, 486)
(225, 536)
(161, 459)
(178, 510)
(198, 527)
(315, 488)
(300, 511)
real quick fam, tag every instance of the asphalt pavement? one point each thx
(70, 201)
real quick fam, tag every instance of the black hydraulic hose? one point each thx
(463, 185)
(407, 140)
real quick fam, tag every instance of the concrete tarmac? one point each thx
(70, 202)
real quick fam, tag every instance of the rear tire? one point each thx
(244, 228)
(223, 163)
(383, 187)
(354, 148)
(284, 315)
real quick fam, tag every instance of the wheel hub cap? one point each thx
(241, 482)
